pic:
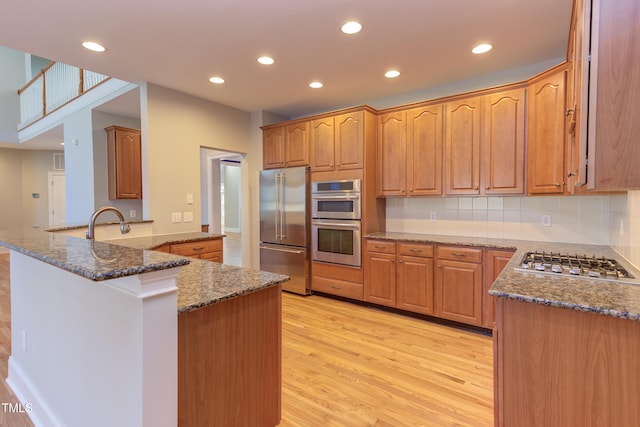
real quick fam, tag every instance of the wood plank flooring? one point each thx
(347, 365)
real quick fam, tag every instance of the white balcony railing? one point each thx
(54, 86)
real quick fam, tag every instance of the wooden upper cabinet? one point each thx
(286, 146)
(614, 83)
(273, 148)
(349, 140)
(462, 146)
(296, 144)
(546, 133)
(322, 141)
(424, 151)
(124, 163)
(391, 158)
(503, 136)
(337, 142)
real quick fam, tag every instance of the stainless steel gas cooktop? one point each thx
(575, 265)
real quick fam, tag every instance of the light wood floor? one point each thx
(347, 365)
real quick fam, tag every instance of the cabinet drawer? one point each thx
(383, 246)
(415, 249)
(337, 287)
(459, 254)
(197, 248)
(212, 256)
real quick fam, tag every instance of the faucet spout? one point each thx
(124, 227)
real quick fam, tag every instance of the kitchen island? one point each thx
(105, 334)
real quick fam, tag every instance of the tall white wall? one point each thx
(11, 189)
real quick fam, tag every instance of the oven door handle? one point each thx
(337, 225)
(337, 196)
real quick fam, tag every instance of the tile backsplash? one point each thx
(576, 219)
(625, 226)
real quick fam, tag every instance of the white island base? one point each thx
(93, 353)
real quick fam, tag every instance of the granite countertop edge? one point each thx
(620, 299)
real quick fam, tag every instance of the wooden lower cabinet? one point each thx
(458, 284)
(562, 367)
(399, 275)
(495, 261)
(230, 362)
(210, 250)
(338, 280)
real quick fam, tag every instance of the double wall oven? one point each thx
(336, 222)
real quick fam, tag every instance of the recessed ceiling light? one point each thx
(316, 85)
(266, 60)
(482, 48)
(392, 74)
(351, 27)
(217, 80)
(96, 47)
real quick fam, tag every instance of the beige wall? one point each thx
(22, 173)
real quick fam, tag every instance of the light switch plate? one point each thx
(188, 216)
(176, 217)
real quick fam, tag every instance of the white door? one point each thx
(57, 200)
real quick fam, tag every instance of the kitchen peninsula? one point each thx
(106, 334)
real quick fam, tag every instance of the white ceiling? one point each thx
(180, 45)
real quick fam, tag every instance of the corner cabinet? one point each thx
(546, 133)
(124, 163)
(495, 262)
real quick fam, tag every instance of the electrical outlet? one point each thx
(176, 217)
(132, 213)
(188, 216)
(189, 199)
(545, 220)
(432, 216)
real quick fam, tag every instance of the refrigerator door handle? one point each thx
(289, 251)
(283, 218)
(276, 211)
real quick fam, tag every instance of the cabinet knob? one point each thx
(487, 188)
(559, 184)
(411, 190)
(338, 164)
(569, 111)
(477, 187)
(439, 265)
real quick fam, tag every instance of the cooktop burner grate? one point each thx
(576, 265)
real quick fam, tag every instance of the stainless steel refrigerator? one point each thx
(284, 226)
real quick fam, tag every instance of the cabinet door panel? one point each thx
(380, 279)
(503, 142)
(297, 144)
(273, 148)
(458, 291)
(424, 151)
(462, 147)
(349, 141)
(546, 124)
(415, 284)
(322, 144)
(391, 152)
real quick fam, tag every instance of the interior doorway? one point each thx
(57, 199)
(223, 188)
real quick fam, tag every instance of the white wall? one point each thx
(11, 189)
(576, 219)
(625, 226)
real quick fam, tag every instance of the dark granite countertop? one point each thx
(90, 259)
(155, 241)
(612, 298)
(200, 283)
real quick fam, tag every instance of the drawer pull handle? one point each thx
(417, 251)
(336, 287)
(455, 254)
(380, 247)
(199, 248)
